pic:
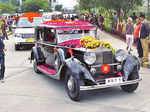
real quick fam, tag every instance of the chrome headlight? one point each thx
(90, 58)
(18, 35)
(120, 55)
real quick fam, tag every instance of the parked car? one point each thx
(24, 32)
(62, 53)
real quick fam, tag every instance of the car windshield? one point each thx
(23, 22)
(66, 35)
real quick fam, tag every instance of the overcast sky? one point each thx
(68, 3)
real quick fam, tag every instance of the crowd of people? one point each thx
(140, 33)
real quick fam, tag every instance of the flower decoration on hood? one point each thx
(89, 42)
(108, 45)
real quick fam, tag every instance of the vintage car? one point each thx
(71, 51)
(24, 31)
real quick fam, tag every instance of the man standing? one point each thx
(144, 36)
(4, 29)
(2, 54)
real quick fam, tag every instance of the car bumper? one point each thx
(100, 86)
(25, 44)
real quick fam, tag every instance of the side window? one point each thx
(49, 35)
(40, 35)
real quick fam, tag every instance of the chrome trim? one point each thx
(83, 88)
(107, 64)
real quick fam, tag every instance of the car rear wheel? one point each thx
(35, 66)
(72, 87)
(131, 87)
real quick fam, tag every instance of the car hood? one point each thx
(25, 30)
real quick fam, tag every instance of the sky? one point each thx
(68, 3)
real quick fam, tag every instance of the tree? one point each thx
(58, 7)
(15, 2)
(118, 5)
(86, 4)
(35, 5)
(7, 8)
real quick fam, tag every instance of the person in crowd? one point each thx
(137, 39)
(93, 19)
(101, 22)
(2, 54)
(134, 17)
(144, 36)
(4, 27)
(9, 23)
(129, 34)
(114, 21)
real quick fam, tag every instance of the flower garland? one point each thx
(30, 16)
(89, 42)
(108, 45)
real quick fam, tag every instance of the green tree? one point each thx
(15, 2)
(58, 7)
(7, 8)
(35, 5)
(86, 4)
(120, 5)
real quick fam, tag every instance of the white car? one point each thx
(24, 32)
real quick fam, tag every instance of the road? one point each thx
(26, 91)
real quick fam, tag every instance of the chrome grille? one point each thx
(104, 57)
(28, 36)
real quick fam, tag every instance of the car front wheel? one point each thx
(131, 87)
(72, 87)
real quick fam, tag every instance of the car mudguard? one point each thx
(131, 64)
(61, 55)
(37, 54)
(78, 70)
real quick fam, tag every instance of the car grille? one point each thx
(104, 57)
(27, 35)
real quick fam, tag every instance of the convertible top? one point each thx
(67, 25)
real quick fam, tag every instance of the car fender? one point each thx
(78, 70)
(61, 55)
(37, 54)
(130, 64)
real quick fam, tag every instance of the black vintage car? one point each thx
(71, 51)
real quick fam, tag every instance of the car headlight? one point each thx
(120, 55)
(90, 58)
(18, 35)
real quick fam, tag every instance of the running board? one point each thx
(106, 86)
(46, 70)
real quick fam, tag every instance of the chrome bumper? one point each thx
(106, 86)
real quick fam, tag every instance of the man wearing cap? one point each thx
(144, 36)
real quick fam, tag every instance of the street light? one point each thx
(95, 6)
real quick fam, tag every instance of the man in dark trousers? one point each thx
(144, 36)
(2, 59)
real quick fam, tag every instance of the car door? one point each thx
(48, 46)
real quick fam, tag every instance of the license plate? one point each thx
(112, 81)
(30, 40)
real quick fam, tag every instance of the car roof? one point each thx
(67, 25)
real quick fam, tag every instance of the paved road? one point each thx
(26, 91)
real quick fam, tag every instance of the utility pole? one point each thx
(20, 4)
(95, 7)
(148, 1)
